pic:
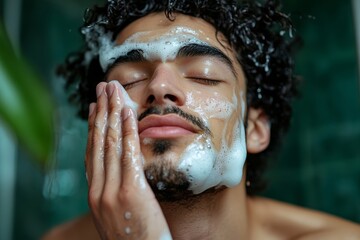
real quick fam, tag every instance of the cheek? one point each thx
(230, 127)
(219, 113)
(210, 105)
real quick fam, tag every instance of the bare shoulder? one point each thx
(79, 228)
(286, 221)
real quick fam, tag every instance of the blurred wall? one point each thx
(318, 166)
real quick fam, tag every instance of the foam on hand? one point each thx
(126, 98)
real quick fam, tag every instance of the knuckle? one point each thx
(126, 163)
(107, 202)
(90, 127)
(124, 197)
(97, 135)
(130, 156)
(109, 147)
(93, 199)
(98, 124)
(128, 132)
(111, 138)
(101, 105)
(113, 107)
(94, 143)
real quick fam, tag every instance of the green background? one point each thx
(317, 167)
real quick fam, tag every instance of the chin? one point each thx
(187, 198)
(172, 186)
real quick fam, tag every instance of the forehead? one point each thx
(156, 25)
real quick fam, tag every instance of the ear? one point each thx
(258, 131)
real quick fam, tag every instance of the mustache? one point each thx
(175, 110)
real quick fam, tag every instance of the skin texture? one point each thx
(123, 206)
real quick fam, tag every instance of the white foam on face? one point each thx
(211, 107)
(205, 166)
(208, 168)
(164, 48)
(197, 162)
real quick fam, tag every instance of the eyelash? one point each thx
(206, 81)
(130, 85)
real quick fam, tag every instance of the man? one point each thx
(187, 106)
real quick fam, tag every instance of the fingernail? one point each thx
(91, 108)
(99, 89)
(110, 87)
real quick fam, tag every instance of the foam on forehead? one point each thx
(164, 47)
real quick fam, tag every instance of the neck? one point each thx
(216, 215)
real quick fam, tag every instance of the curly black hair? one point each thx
(259, 33)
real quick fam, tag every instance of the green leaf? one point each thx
(25, 105)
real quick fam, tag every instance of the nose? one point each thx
(165, 87)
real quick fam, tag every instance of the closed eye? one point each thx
(206, 81)
(127, 86)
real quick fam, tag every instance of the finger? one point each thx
(97, 143)
(132, 159)
(88, 163)
(113, 138)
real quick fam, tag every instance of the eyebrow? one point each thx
(190, 50)
(193, 50)
(135, 55)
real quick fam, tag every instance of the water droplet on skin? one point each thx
(127, 215)
(127, 230)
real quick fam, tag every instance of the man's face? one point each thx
(190, 92)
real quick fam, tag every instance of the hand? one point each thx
(122, 203)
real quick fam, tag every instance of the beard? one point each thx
(167, 183)
(161, 146)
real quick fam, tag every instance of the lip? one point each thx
(168, 126)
